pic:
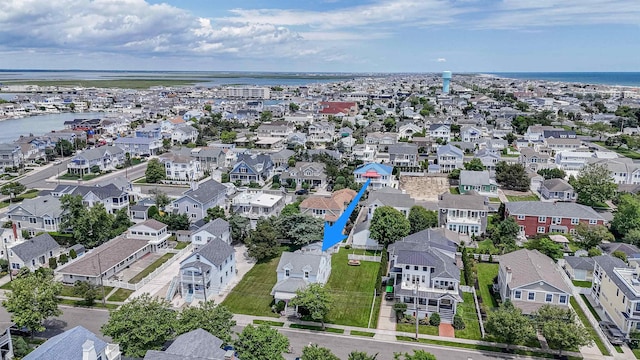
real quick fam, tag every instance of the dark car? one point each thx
(19, 331)
(615, 336)
(302, 192)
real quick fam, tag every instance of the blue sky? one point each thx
(322, 35)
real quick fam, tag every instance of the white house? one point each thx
(207, 271)
(216, 229)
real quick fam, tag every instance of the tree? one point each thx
(262, 243)
(161, 199)
(261, 342)
(228, 137)
(239, 227)
(32, 299)
(293, 107)
(73, 254)
(152, 319)
(361, 355)
(72, 209)
(215, 319)
(512, 176)
(594, 185)
(507, 232)
(508, 325)
(417, 355)
(155, 172)
(315, 299)
(590, 236)
(434, 319)
(94, 227)
(543, 244)
(53, 263)
(564, 335)
(548, 313)
(458, 322)
(474, 165)
(121, 222)
(510, 137)
(214, 213)
(64, 147)
(290, 209)
(14, 188)
(266, 115)
(315, 352)
(388, 225)
(554, 173)
(87, 291)
(389, 124)
(421, 218)
(175, 221)
(300, 229)
(627, 218)
(620, 255)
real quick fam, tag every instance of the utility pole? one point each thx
(6, 251)
(204, 285)
(104, 302)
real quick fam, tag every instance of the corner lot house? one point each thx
(104, 157)
(33, 253)
(531, 279)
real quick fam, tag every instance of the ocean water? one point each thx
(10, 130)
(599, 78)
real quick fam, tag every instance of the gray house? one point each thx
(465, 214)
(251, 168)
(213, 265)
(75, 344)
(42, 213)
(104, 157)
(478, 181)
(403, 155)
(33, 253)
(194, 345)
(199, 198)
(109, 195)
(216, 229)
(311, 173)
(137, 146)
(10, 155)
(579, 267)
(557, 189)
(389, 197)
(450, 158)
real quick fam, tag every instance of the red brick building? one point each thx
(535, 217)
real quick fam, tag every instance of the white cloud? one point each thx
(441, 60)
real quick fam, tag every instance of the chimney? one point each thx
(509, 275)
(89, 351)
(459, 263)
(194, 185)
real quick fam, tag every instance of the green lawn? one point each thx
(494, 199)
(156, 264)
(267, 322)
(422, 329)
(486, 273)
(618, 349)
(636, 352)
(624, 152)
(587, 325)
(181, 245)
(454, 190)
(362, 333)
(486, 246)
(531, 197)
(120, 295)
(467, 310)
(591, 309)
(583, 284)
(80, 303)
(317, 328)
(252, 295)
(352, 290)
(67, 290)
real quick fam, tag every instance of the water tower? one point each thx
(446, 79)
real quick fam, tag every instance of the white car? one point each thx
(57, 162)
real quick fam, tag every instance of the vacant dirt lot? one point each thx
(425, 188)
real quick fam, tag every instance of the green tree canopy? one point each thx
(239, 227)
(155, 172)
(474, 165)
(300, 229)
(86, 290)
(361, 355)
(262, 243)
(627, 218)
(174, 221)
(228, 137)
(64, 147)
(508, 325)
(33, 299)
(421, 218)
(290, 209)
(14, 188)
(214, 213)
(261, 342)
(94, 227)
(546, 246)
(215, 319)
(554, 173)
(417, 355)
(590, 236)
(594, 185)
(152, 319)
(315, 352)
(388, 225)
(316, 299)
(512, 176)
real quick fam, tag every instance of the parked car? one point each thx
(615, 336)
(302, 192)
(19, 331)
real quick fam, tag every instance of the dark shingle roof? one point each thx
(32, 248)
(206, 191)
(216, 251)
(194, 345)
(66, 346)
(608, 263)
(579, 262)
(216, 227)
(557, 209)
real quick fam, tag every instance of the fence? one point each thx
(487, 257)
(364, 257)
(148, 278)
(471, 289)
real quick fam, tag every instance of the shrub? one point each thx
(458, 322)
(347, 247)
(73, 254)
(53, 263)
(424, 321)
(63, 259)
(434, 319)
(278, 307)
(20, 346)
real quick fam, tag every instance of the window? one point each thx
(193, 215)
(406, 267)
(593, 222)
(531, 296)
(306, 274)
(557, 220)
(572, 231)
(548, 298)
(517, 294)
(575, 221)
(415, 268)
(424, 268)
(563, 299)
(521, 217)
(287, 272)
(542, 219)
(541, 230)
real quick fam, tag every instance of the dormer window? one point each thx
(287, 272)
(306, 274)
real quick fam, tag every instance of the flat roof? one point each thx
(267, 200)
(104, 257)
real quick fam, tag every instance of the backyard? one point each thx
(156, 264)
(530, 197)
(467, 310)
(486, 273)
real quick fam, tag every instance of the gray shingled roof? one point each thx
(390, 198)
(608, 263)
(628, 249)
(298, 261)
(206, 191)
(556, 209)
(449, 148)
(41, 205)
(579, 262)
(436, 237)
(289, 285)
(530, 266)
(32, 248)
(468, 177)
(98, 153)
(557, 185)
(466, 201)
(111, 253)
(66, 346)
(194, 345)
(215, 251)
(216, 227)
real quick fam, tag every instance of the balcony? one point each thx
(463, 220)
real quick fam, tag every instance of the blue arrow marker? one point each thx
(333, 234)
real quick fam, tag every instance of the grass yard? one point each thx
(587, 325)
(181, 245)
(80, 303)
(454, 190)
(156, 264)
(624, 152)
(362, 333)
(422, 329)
(467, 310)
(514, 198)
(317, 328)
(352, 290)
(591, 309)
(582, 284)
(486, 273)
(487, 247)
(252, 295)
(67, 290)
(636, 352)
(267, 322)
(120, 295)
(494, 199)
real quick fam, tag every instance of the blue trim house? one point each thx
(381, 175)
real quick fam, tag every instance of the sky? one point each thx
(321, 35)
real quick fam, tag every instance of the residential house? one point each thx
(557, 189)
(450, 158)
(365, 153)
(361, 238)
(389, 197)
(104, 158)
(381, 176)
(195, 345)
(42, 213)
(470, 134)
(257, 203)
(312, 173)
(616, 289)
(298, 269)
(338, 109)
(579, 268)
(139, 146)
(181, 168)
(210, 158)
(532, 159)
(149, 131)
(407, 130)
(488, 159)
(535, 133)
(622, 170)
(207, 271)
(536, 217)
(440, 131)
(322, 132)
(558, 133)
(33, 253)
(199, 198)
(530, 280)
(184, 134)
(327, 208)
(10, 156)
(425, 273)
(381, 138)
(478, 181)
(628, 249)
(215, 229)
(572, 160)
(140, 210)
(251, 168)
(281, 158)
(76, 343)
(404, 155)
(465, 214)
(276, 129)
(109, 195)
(564, 144)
